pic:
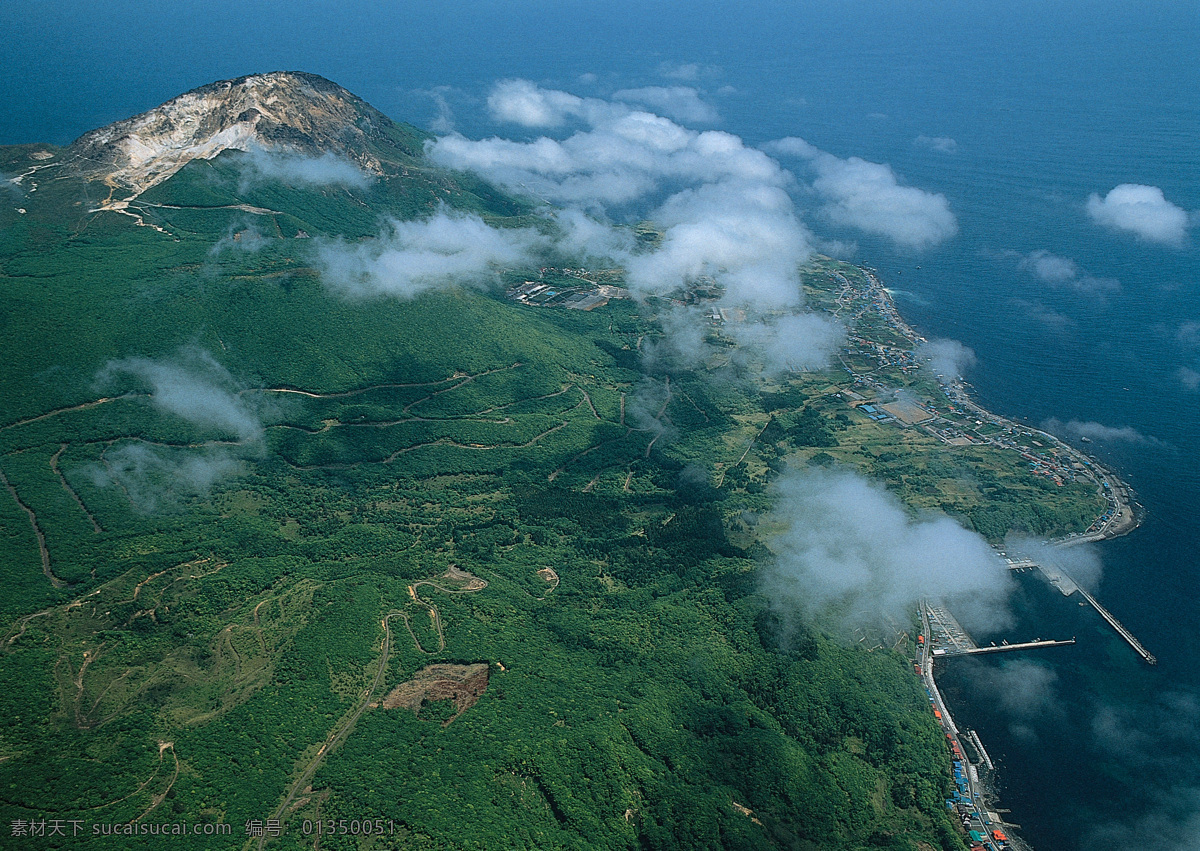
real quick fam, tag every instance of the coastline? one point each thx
(1124, 514)
(975, 800)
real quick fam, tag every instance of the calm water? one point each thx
(1046, 102)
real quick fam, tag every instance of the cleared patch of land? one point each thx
(462, 684)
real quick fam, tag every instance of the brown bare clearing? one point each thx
(470, 581)
(463, 684)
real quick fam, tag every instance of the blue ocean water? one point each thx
(1046, 103)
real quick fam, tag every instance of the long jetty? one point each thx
(1001, 648)
(1121, 630)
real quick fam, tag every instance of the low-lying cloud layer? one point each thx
(527, 104)
(624, 156)
(792, 343)
(681, 103)
(1047, 317)
(947, 358)
(851, 556)
(1025, 689)
(157, 477)
(687, 71)
(1060, 271)
(1141, 210)
(240, 238)
(194, 388)
(1082, 563)
(745, 232)
(1157, 740)
(942, 144)
(869, 196)
(725, 209)
(1172, 825)
(260, 165)
(1096, 431)
(411, 257)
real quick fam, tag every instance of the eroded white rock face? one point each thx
(283, 110)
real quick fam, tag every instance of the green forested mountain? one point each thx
(273, 550)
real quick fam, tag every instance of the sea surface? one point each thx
(1046, 103)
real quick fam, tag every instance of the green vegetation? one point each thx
(218, 639)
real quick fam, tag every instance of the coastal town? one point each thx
(956, 420)
(971, 801)
(888, 370)
(960, 421)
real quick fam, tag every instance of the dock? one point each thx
(948, 638)
(983, 754)
(1146, 655)
(1001, 648)
(945, 632)
(1061, 580)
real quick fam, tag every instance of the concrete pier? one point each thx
(1001, 648)
(1121, 630)
(1068, 586)
(983, 754)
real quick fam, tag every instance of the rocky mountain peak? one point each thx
(284, 110)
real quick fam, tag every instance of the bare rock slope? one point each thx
(290, 111)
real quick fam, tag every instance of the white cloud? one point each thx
(194, 387)
(1096, 431)
(1045, 316)
(1141, 210)
(241, 238)
(414, 256)
(723, 207)
(1064, 272)
(1188, 334)
(1188, 377)
(948, 358)
(942, 144)
(1050, 267)
(1082, 563)
(850, 555)
(591, 241)
(686, 71)
(444, 122)
(260, 165)
(1024, 688)
(729, 214)
(155, 477)
(791, 343)
(681, 103)
(1157, 739)
(624, 155)
(745, 234)
(868, 196)
(683, 343)
(1172, 824)
(529, 105)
